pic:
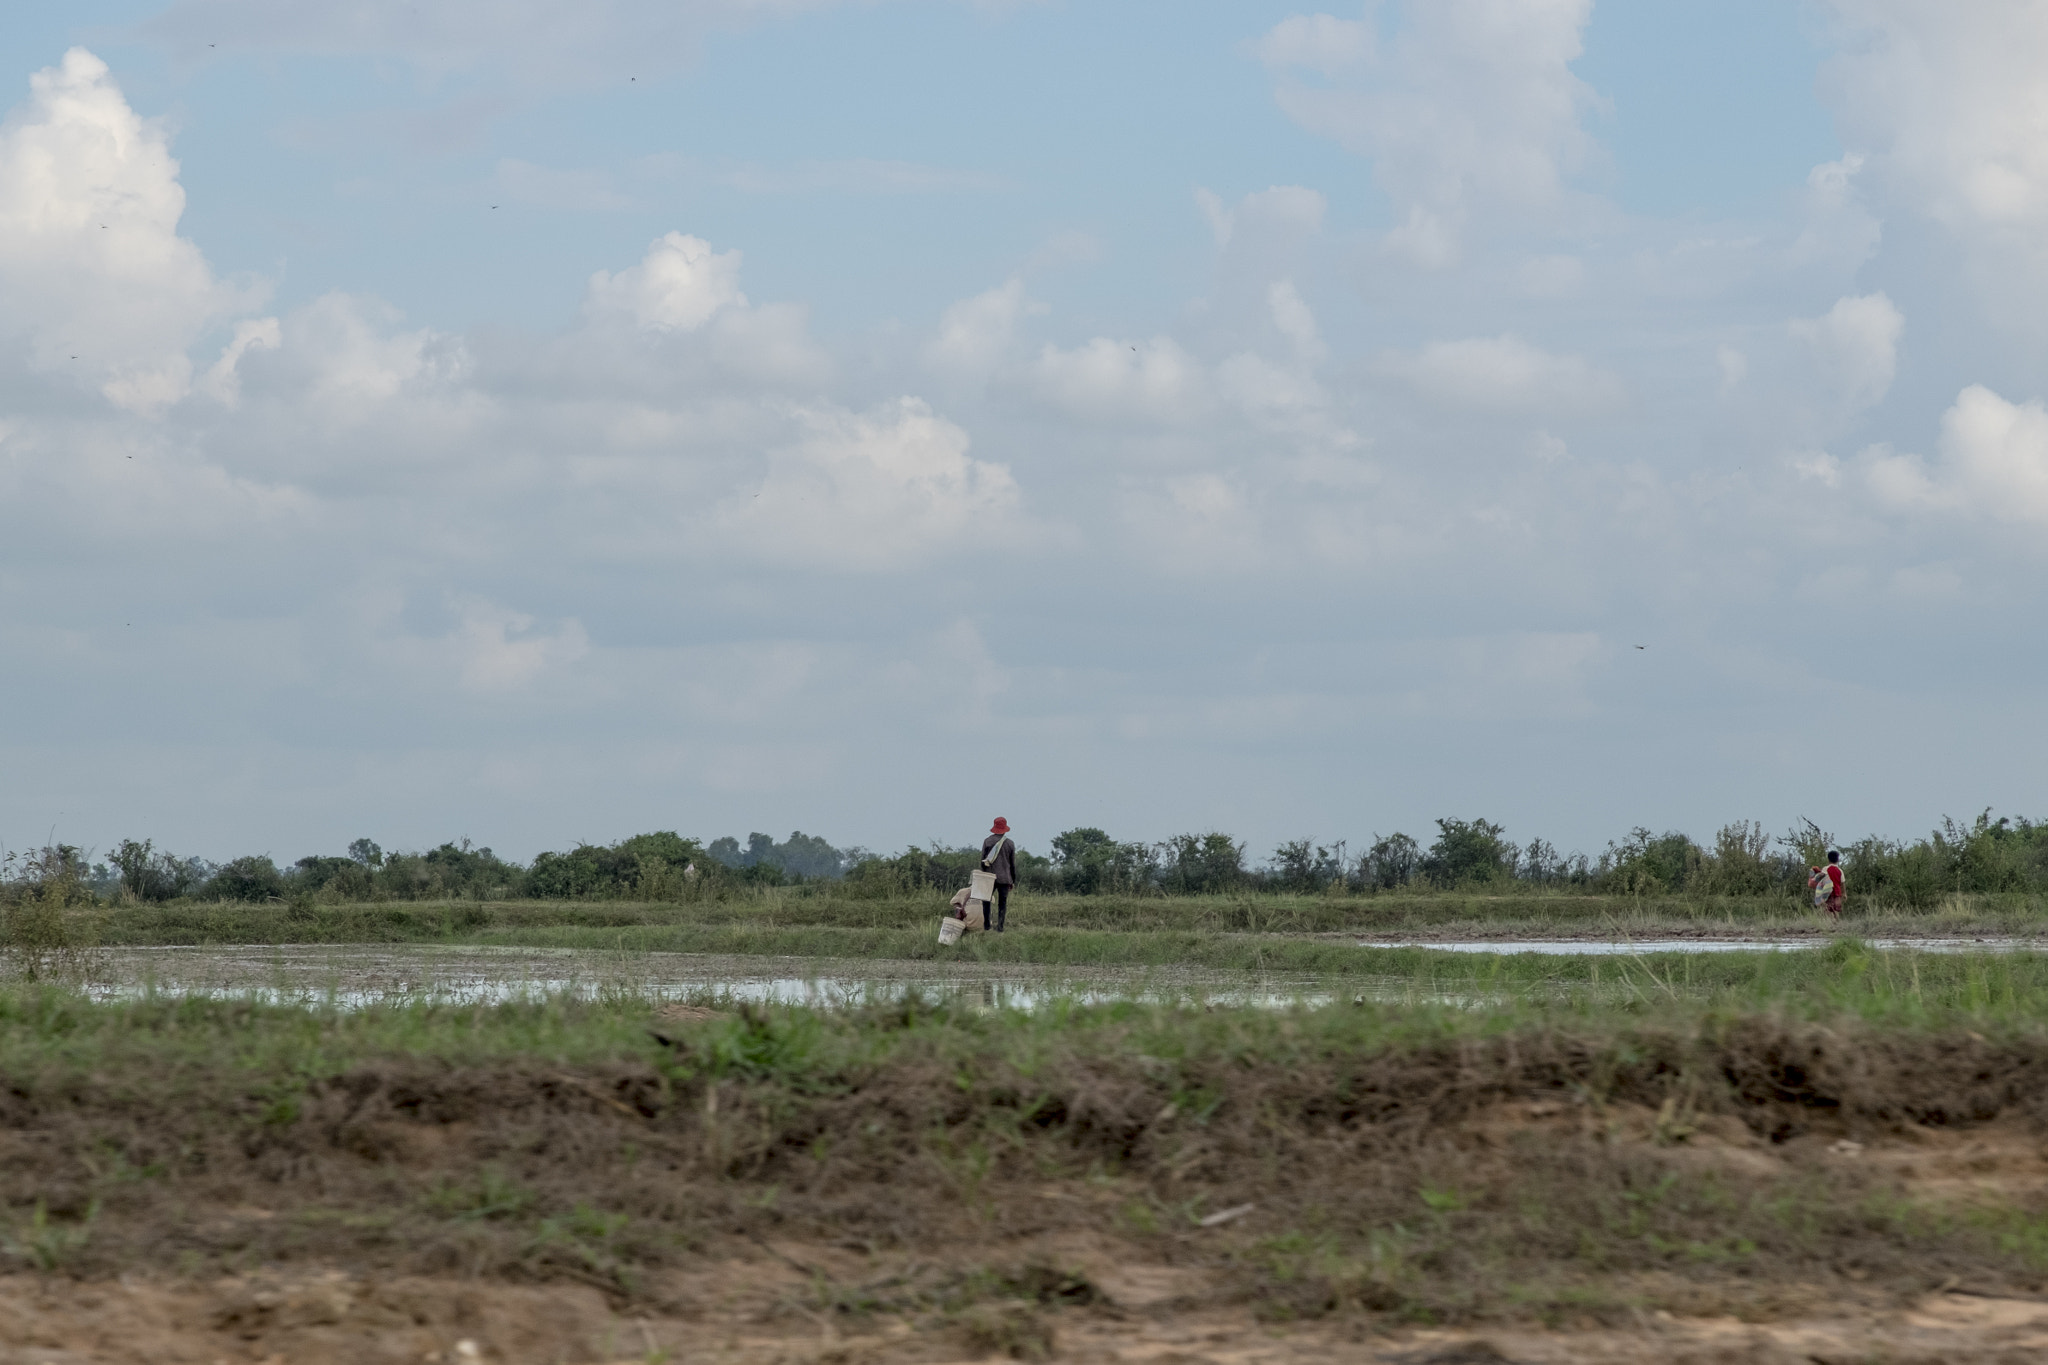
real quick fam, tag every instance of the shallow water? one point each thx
(1635, 947)
(355, 976)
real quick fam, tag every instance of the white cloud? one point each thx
(1993, 463)
(975, 332)
(252, 334)
(1856, 343)
(1280, 211)
(1319, 42)
(1116, 380)
(1505, 374)
(680, 284)
(346, 357)
(92, 269)
(1469, 103)
(1295, 320)
(1954, 99)
(871, 491)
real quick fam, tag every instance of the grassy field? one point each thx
(1531, 1159)
(1454, 1139)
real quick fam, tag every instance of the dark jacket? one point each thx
(1005, 862)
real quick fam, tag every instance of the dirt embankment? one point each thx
(1477, 1196)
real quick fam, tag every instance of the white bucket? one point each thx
(981, 886)
(950, 930)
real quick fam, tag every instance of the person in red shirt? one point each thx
(1827, 886)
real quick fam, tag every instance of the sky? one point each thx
(542, 423)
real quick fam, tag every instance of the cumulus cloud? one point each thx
(94, 277)
(1107, 379)
(1953, 100)
(1505, 374)
(680, 284)
(1856, 343)
(975, 332)
(873, 490)
(1469, 103)
(1993, 463)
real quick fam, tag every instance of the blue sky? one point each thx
(852, 416)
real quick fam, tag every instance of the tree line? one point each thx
(1986, 855)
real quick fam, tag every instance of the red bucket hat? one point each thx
(1001, 826)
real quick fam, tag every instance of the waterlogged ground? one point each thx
(356, 975)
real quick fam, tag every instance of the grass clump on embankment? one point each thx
(1435, 1163)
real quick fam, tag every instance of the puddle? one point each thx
(355, 976)
(1631, 948)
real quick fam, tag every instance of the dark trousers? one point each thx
(1002, 904)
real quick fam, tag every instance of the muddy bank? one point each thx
(754, 1311)
(911, 1163)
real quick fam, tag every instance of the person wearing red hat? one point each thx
(999, 855)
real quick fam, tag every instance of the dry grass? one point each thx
(1419, 1169)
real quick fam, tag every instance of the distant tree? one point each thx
(149, 874)
(1468, 851)
(254, 878)
(646, 865)
(800, 855)
(1201, 863)
(1391, 862)
(1304, 865)
(1086, 861)
(1645, 864)
(366, 852)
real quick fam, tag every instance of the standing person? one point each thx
(999, 856)
(1827, 886)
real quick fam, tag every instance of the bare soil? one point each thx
(749, 1311)
(1774, 1191)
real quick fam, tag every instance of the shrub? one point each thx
(1087, 862)
(1469, 851)
(1199, 864)
(1392, 862)
(254, 878)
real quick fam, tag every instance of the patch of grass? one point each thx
(46, 1244)
(556, 1137)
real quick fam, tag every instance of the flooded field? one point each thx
(356, 975)
(353, 976)
(1581, 947)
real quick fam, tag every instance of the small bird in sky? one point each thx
(494, 206)
(1642, 646)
